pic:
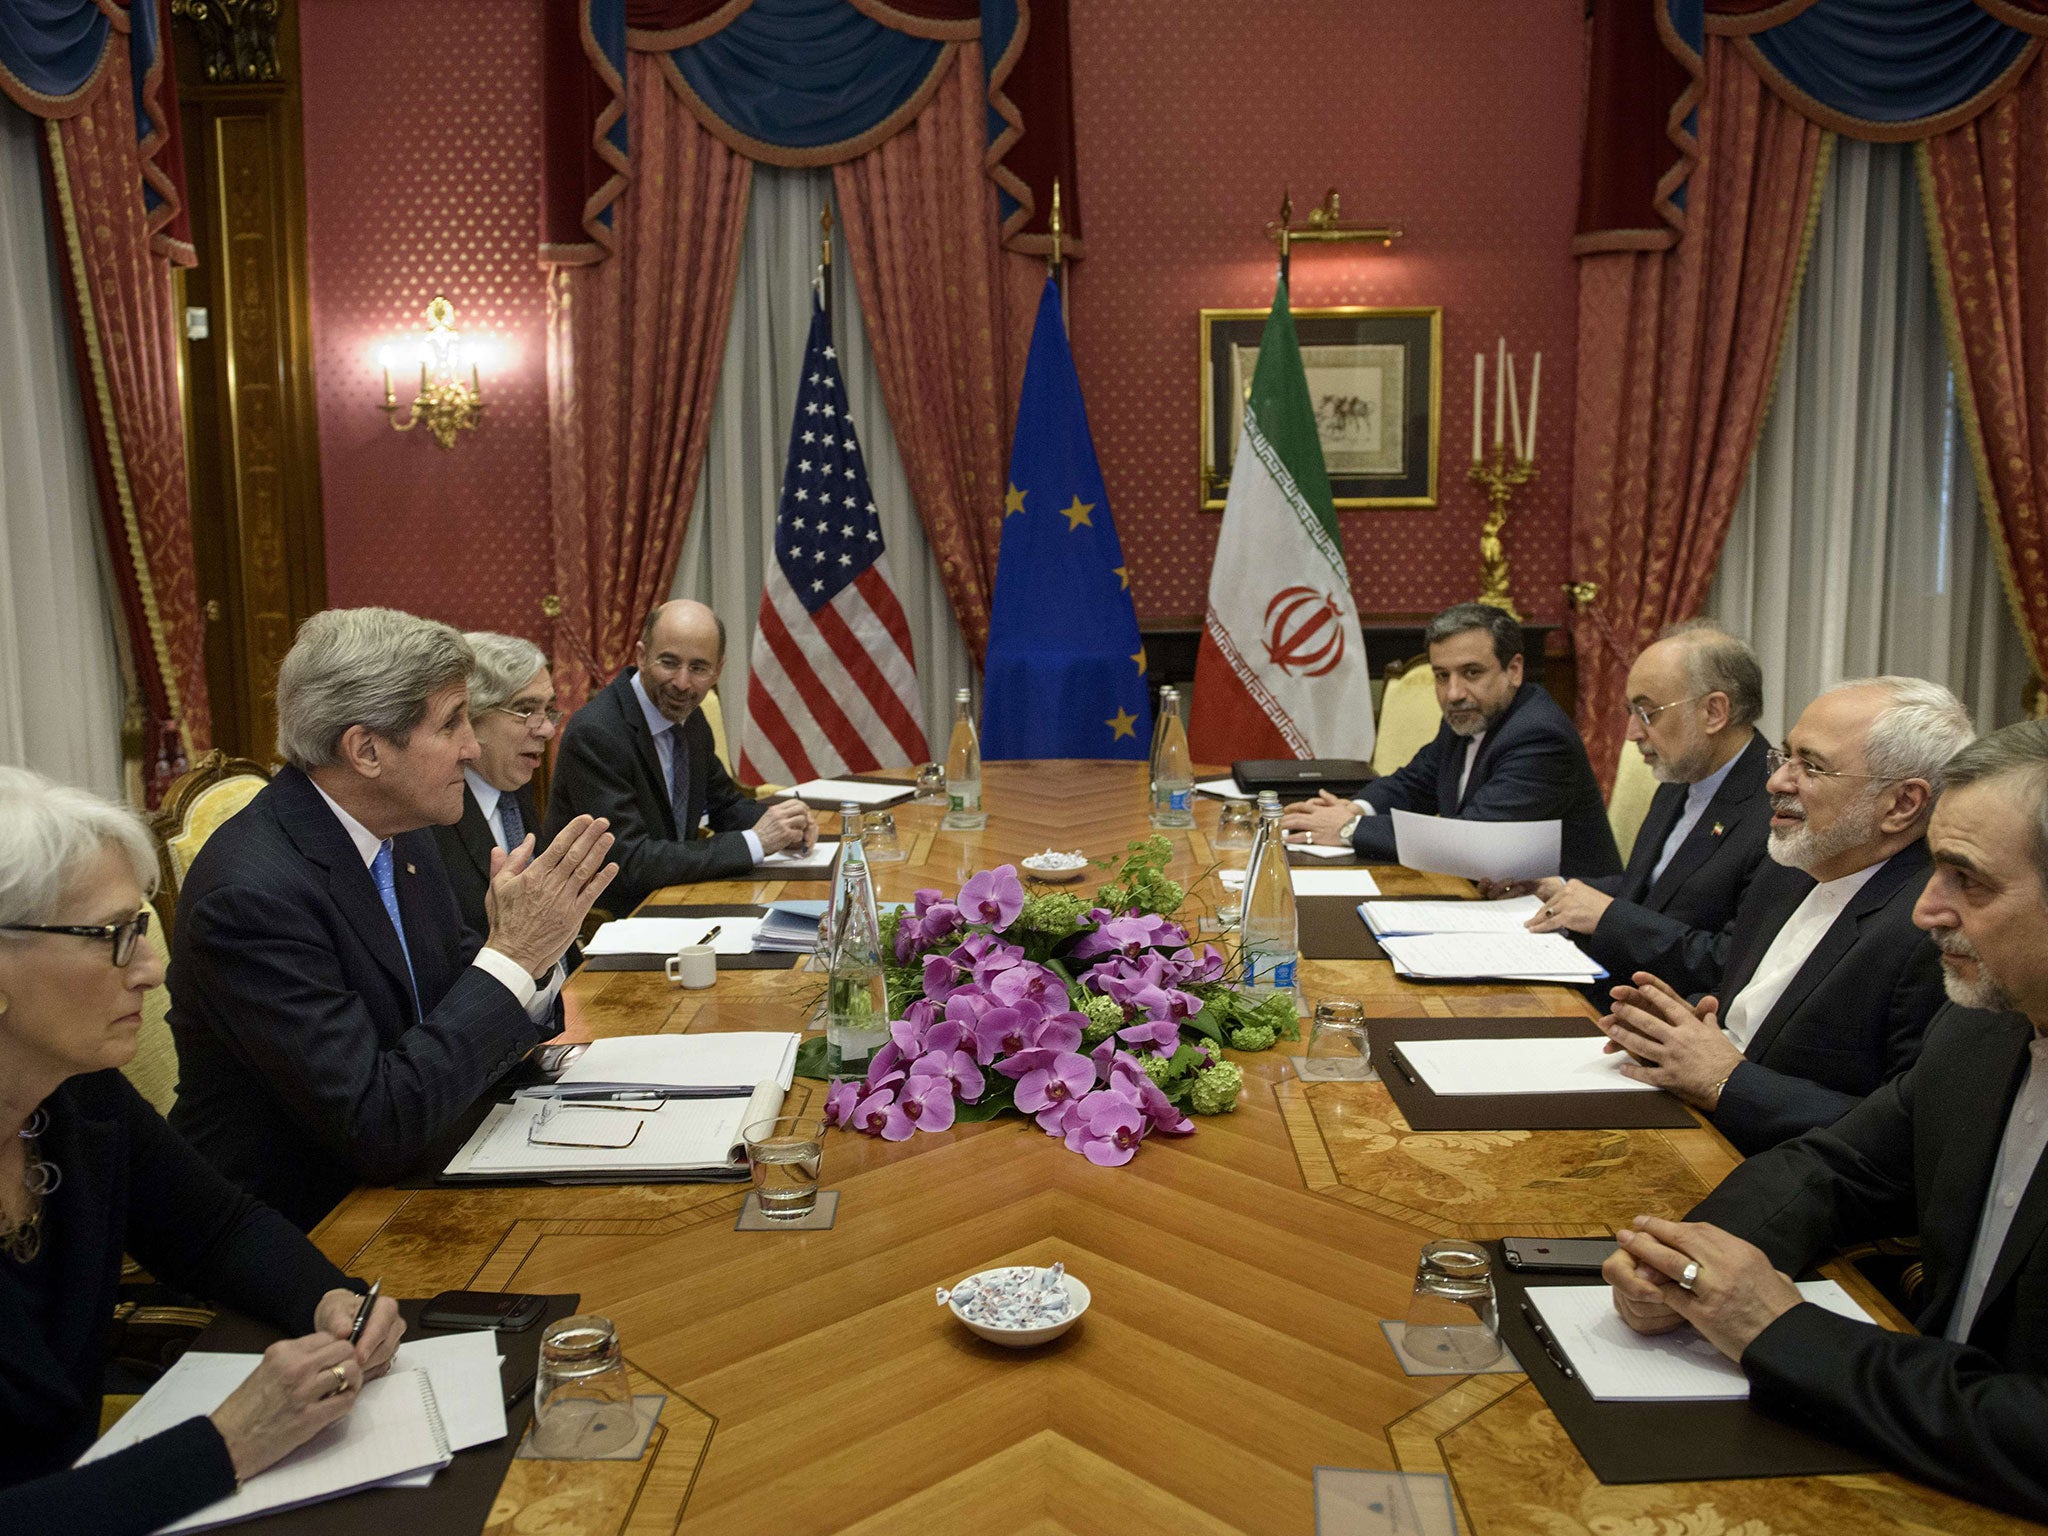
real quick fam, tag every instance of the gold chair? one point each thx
(207, 794)
(714, 716)
(1409, 715)
(1634, 785)
(154, 1070)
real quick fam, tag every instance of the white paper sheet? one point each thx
(677, 1135)
(1354, 881)
(666, 935)
(860, 794)
(1617, 1364)
(730, 1059)
(795, 864)
(1561, 1064)
(1222, 789)
(1320, 850)
(1489, 956)
(467, 1387)
(1413, 917)
(1478, 850)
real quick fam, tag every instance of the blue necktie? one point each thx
(679, 783)
(510, 819)
(387, 890)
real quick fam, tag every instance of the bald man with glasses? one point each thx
(1828, 985)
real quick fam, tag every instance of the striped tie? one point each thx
(510, 819)
(679, 782)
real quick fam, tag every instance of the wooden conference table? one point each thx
(1239, 1277)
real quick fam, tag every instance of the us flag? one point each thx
(834, 686)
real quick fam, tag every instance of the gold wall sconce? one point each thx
(445, 403)
(1324, 225)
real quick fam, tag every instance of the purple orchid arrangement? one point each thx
(1103, 1024)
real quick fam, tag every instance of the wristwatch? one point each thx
(1350, 827)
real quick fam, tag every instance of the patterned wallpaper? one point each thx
(1460, 122)
(422, 176)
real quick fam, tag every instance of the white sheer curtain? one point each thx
(1858, 545)
(61, 698)
(732, 528)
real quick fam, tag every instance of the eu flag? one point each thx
(1066, 667)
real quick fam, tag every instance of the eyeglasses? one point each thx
(1776, 758)
(121, 935)
(526, 717)
(1648, 712)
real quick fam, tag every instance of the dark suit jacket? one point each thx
(607, 767)
(303, 1069)
(130, 1185)
(1918, 1153)
(1531, 767)
(466, 850)
(1680, 925)
(1852, 1017)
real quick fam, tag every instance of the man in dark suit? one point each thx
(512, 710)
(1951, 1148)
(332, 1016)
(1829, 985)
(639, 755)
(1505, 752)
(1693, 698)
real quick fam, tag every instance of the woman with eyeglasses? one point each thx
(512, 710)
(89, 1171)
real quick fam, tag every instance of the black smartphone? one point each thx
(505, 1311)
(1556, 1255)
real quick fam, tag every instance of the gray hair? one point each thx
(373, 667)
(47, 830)
(1460, 618)
(1718, 662)
(2017, 751)
(504, 665)
(1922, 726)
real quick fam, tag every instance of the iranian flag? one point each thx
(1281, 671)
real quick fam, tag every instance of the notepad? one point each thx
(666, 935)
(1511, 956)
(1222, 789)
(1543, 1064)
(1617, 1364)
(735, 1060)
(867, 796)
(1315, 882)
(671, 1136)
(1478, 850)
(394, 1430)
(1410, 917)
(796, 864)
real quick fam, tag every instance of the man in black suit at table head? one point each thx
(1693, 699)
(333, 1016)
(1828, 985)
(639, 754)
(512, 711)
(1505, 752)
(1952, 1149)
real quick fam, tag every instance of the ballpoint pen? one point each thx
(716, 929)
(363, 1307)
(1402, 1067)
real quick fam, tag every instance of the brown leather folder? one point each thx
(1330, 928)
(1426, 1111)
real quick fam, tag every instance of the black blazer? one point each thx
(1531, 767)
(1917, 1154)
(303, 1069)
(1851, 1018)
(466, 850)
(607, 767)
(1681, 925)
(130, 1184)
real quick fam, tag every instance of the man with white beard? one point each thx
(1950, 1149)
(1828, 985)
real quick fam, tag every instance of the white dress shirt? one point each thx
(538, 1001)
(1793, 946)
(1697, 797)
(1464, 774)
(659, 727)
(488, 798)
(2026, 1132)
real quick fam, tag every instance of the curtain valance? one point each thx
(800, 83)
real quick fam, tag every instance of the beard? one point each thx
(1470, 722)
(1803, 847)
(1687, 768)
(1981, 991)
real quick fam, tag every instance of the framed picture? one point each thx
(1375, 377)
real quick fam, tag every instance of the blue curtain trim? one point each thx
(51, 53)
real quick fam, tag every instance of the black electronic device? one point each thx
(1297, 778)
(1556, 1255)
(505, 1311)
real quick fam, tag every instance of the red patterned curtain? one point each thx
(1677, 352)
(634, 349)
(1985, 188)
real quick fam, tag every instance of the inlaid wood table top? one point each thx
(1239, 1277)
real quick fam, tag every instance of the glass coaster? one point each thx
(646, 1408)
(1352, 1501)
(1503, 1363)
(822, 1216)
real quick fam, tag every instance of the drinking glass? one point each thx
(878, 833)
(1234, 827)
(784, 1155)
(1338, 1050)
(582, 1402)
(1452, 1319)
(931, 784)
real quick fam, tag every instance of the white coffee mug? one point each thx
(694, 965)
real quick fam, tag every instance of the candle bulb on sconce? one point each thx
(1506, 468)
(445, 403)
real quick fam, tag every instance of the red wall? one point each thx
(422, 121)
(1459, 122)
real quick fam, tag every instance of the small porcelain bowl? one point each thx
(1054, 868)
(1023, 1338)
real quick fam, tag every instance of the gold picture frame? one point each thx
(1367, 356)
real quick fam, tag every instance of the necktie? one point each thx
(387, 891)
(679, 782)
(510, 819)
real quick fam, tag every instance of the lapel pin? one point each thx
(1718, 830)
(411, 871)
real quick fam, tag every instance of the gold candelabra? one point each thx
(1498, 476)
(445, 403)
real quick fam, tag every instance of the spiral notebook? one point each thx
(393, 1432)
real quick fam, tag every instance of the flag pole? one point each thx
(1286, 219)
(1054, 257)
(825, 260)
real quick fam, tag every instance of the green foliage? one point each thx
(1216, 1089)
(1251, 1037)
(1048, 918)
(1141, 884)
(1105, 1017)
(1227, 1012)
(1001, 1096)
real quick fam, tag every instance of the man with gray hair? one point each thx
(334, 1018)
(1828, 985)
